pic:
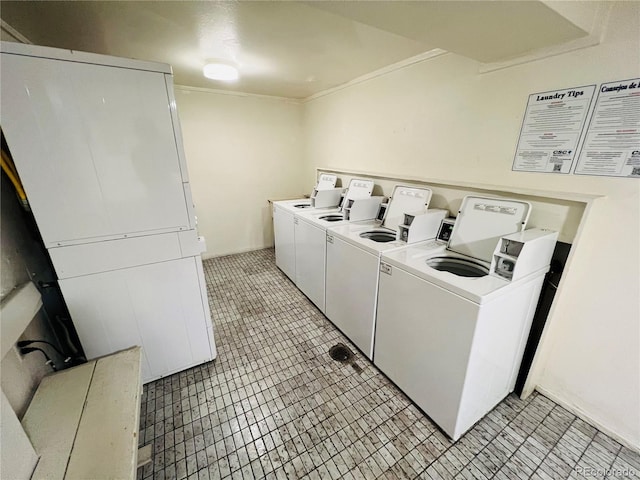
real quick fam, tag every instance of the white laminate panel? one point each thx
(157, 306)
(204, 297)
(83, 57)
(196, 318)
(177, 130)
(94, 147)
(191, 208)
(75, 260)
(190, 244)
(103, 313)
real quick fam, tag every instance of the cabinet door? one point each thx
(94, 146)
(351, 284)
(283, 234)
(157, 306)
(423, 343)
(311, 249)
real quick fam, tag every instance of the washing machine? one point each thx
(283, 217)
(452, 321)
(352, 259)
(310, 236)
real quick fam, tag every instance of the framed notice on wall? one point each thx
(612, 144)
(551, 130)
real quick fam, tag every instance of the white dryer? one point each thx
(283, 227)
(452, 322)
(353, 253)
(310, 236)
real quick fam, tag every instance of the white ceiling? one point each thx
(290, 49)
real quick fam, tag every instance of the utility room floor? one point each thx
(275, 405)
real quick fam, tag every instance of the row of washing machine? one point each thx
(442, 306)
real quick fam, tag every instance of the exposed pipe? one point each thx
(9, 168)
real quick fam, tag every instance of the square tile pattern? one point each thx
(275, 405)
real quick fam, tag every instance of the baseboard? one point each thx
(577, 411)
(206, 255)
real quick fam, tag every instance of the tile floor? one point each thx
(274, 405)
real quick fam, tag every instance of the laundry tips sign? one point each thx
(551, 130)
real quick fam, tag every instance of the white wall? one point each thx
(241, 151)
(442, 119)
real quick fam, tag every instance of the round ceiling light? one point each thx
(220, 71)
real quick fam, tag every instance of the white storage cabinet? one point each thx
(97, 143)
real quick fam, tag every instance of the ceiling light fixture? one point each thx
(217, 70)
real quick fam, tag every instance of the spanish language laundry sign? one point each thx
(612, 144)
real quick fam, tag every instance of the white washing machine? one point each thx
(310, 236)
(353, 253)
(283, 215)
(452, 322)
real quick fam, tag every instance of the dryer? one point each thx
(353, 253)
(310, 236)
(452, 322)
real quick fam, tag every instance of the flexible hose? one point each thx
(10, 169)
(26, 350)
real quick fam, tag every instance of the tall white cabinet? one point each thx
(97, 144)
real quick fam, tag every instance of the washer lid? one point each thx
(358, 188)
(405, 200)
(482, 221)
(326, 181)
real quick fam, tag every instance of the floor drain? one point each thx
(341, 353)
